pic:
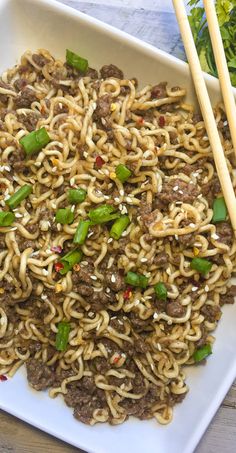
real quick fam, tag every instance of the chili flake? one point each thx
(58, 267)
(99, 161)
(56, 249)
(140, 121)
(161, 121)
(76, 267)
(3, 378)
(127, 294)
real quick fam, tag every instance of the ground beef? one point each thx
(84, 290)
(186, 240)
(225, 233)
(39, 59)
(92, 73)
(203, 338)
(185, 192)
(211, 189)
(159, 91)
(137, 323)
(10, 311)
(25, 98)
(39, 375)
(197, 117)
(228, 297)
(101, 365)
(141, 407)
(35, 346)
(29, 120)
(20, 84)
(140, 346)
(4, 97)
(211, 313)
(161, 259)
(111, 71)
(103, 108)
(118, 284)
(17, 160)
(117, 324)
(60, 108)
(86, 406)
(2, 242)
(78, 390)
(23, 243)
(175, 309)
(84, 274)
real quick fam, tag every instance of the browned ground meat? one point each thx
(225, 233)
(137, 323)
(84, 274)
(228, 297)
(29, 120)
(60, 108)
(92, 73)
(161, 259)
(186, 240)
(114, 280)
(4, 97)
(141, 346)
(103, 108)
(23, 243)
(39, 59)
(101, 364)
(175, 309)
(211, 189)
(159, 91)
(39, 375)
(111, 71)
(117, 324)
(83, 289)
(86, 405)
(19, 84)
(184, 192)
(211, 313)
(25, 98)
(2, 242)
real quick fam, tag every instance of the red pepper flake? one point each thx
(116, 359)
(140, 121)
(161, 121)
(99, 161)
(58, 267)
(56, 249)
(127, 294)
(3, 378)
(42, 110)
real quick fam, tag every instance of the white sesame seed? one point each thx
(152, 366)
(93, 277)
(18, 215)
(206, 288)
(54, 206)
(192, 225)
(120, 322)
(122, 386)
(215, 236)
(121, 192)
(155, 315)
(44, 297)
(205, 138)
(84, 263)
(59, 227)
(136, 302)
(72, 208)
(113, 278)
(45, 272)
(159, 347)
(168, 271)
(143, 260)
(194, 288)
(117, 200)
(175, 188)
(90, 234)
(72, 181)
(85, 154)
(108, 290)
(129, 199)
(54, 169)
(123, 355)
(35, 253)
(110, 240)
(225, 123)
(181, 192)
(176, 237)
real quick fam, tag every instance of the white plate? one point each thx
(45, 23)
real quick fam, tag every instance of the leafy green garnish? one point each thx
(226, 13)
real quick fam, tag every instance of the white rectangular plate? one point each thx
(46, 24)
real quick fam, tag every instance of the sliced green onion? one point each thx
(103, 213)
(62, 336)
(6, 218)
(64, 216)
(69, 260)
(201, 265)
(219, 210)
(161, 291)
(119, 227)
(81, 232)
(136, 279)
(202, 353)
(122, 172)
(76, 61)
(19, 196)
(35, 141)
(75, 196)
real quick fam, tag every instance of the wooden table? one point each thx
(154, 22)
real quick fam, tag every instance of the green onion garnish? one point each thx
(161, 291)
(219, 210)
(75, 196)
(69, 260)
(19, 196)
(35, 141)
(6, 218)
(202, 353)
(64, 216)
(122, 172)
(76, 61)
(136, 280)
(119, 227)
(81, 232)
(62, 335)
(201, 265)
(102, 214)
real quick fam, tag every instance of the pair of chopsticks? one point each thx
(203, 97)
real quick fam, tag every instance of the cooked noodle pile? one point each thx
(127, 346)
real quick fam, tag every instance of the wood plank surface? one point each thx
(154, 22)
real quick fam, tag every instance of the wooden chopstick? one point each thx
(206, 109)
(222, 68)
